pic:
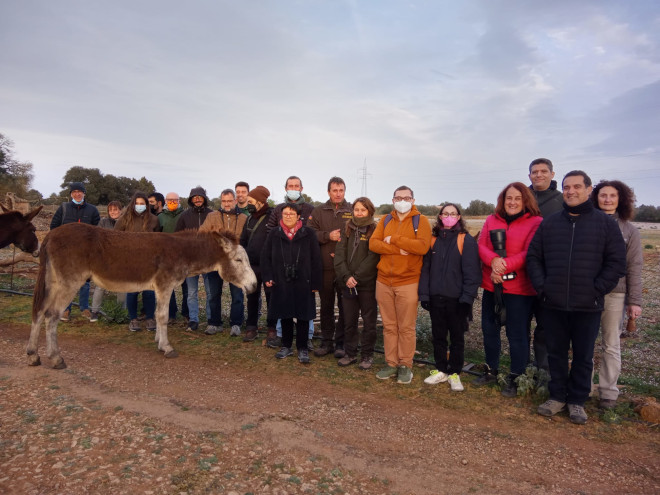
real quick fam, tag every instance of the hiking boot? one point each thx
(171, 321)
(366, 363)
(212, 329)
(235, 331)
(272, 340)
(192, 326)
(436, 377)
(284, 352)
(303, 356)
(577, 414)
(322, 351)
(65, 315)
(551, 407)
(339, 352)
(151, 325)
(347, 360)
(607, 403)
(94, 316)
(387, 372)
(455, 383)
(310, 345)
(488, 378)
(250, 335)
(86, 313)
(404, 375)
(510, 390)
(134, 326)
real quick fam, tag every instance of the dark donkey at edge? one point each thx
(17, 228)
(126, 262)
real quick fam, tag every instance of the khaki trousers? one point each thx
(610, 330)
(398, 309)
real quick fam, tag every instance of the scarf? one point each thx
(585, 207)
(290, 232)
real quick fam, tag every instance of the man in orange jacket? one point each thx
(402, 238)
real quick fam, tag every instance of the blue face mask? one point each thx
(140, 208)
(78, 202)
(293, 195)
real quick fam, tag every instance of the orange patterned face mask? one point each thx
(172, 205)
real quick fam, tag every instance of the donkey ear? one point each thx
(33, 214)
(225, 243)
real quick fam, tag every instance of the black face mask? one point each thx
(252, 209)
(154, 210)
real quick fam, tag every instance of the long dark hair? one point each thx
(626, 206)
(460, 225)
(130, 216)
(529, 201)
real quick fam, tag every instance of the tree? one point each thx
(478, 207)
(101, 189)
(15, 176)
(647, 213)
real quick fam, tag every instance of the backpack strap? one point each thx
(415, 221)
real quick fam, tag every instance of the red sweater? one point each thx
(518, 236)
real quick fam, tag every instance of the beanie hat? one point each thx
(260, 193)
(77, 186)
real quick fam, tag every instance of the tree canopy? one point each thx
(15, 176)
(101, 189)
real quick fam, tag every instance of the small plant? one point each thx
(114, 311)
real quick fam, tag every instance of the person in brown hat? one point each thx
(252, 239)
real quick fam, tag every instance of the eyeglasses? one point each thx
(402, 198)
(445, 215)
(292, 214)
(172, 201)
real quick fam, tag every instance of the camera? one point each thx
(509, 276)
(290, 272)
(498, 238)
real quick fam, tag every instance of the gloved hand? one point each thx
(426, 305)
(464, 310)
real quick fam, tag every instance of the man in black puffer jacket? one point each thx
(575, 258)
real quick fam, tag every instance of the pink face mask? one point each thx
(449, 222)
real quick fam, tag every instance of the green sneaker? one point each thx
(387, 372)
(405, 375)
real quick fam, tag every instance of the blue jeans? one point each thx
(310, 333)
(148, 302)
(236, 313)
(184, 302)
(83, 298)
(518, 311)
(213, 308)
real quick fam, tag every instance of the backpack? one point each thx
(415, 220)
(459, 242)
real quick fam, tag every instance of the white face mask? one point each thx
(403, 206)
(293, 195)
(140, 208)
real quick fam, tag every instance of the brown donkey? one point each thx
(126, 262)
(17, 228)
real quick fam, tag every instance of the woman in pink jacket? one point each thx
(508, 293)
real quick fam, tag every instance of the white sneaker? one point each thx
(235, 331)
(436, 377)
(455, 382)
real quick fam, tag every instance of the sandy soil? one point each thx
(122, 419)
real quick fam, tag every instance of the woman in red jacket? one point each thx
(508, 293)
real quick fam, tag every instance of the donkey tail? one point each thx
(40, 287)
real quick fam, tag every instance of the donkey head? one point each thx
(20, 230)
(235, 266)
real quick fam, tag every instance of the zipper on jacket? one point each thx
(570, 260)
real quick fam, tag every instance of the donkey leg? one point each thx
(33, 343)
(52, 348)
(162, 314)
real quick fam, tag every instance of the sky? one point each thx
(453, 99)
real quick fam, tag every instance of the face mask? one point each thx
(251, 209)
(403, 206)
(140, 208)
(172, 206)
(449, 221)
(77, 202)
(293, 195)
(153, 209)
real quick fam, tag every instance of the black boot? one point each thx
(488, 378)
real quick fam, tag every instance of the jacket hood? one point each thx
(198, 191)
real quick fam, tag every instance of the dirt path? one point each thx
(122, 419)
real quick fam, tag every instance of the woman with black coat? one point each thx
(448, 285)
(291, 267)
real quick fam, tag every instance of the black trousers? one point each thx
(302, 331)
(331, 332)
(445, 321)
(364, 303)
(253, 303)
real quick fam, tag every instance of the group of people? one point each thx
(568, 259)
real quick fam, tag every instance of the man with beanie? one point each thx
(192, 219)
(576, 257)
(253, 239)
(167, 219)
(228, 219)
(77, 210)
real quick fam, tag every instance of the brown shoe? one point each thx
(347, 360)
(86, 313)
(322, 351)
(65, 315)
(151, 324)
(271, 339)
(366, 363)
(250, 335)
